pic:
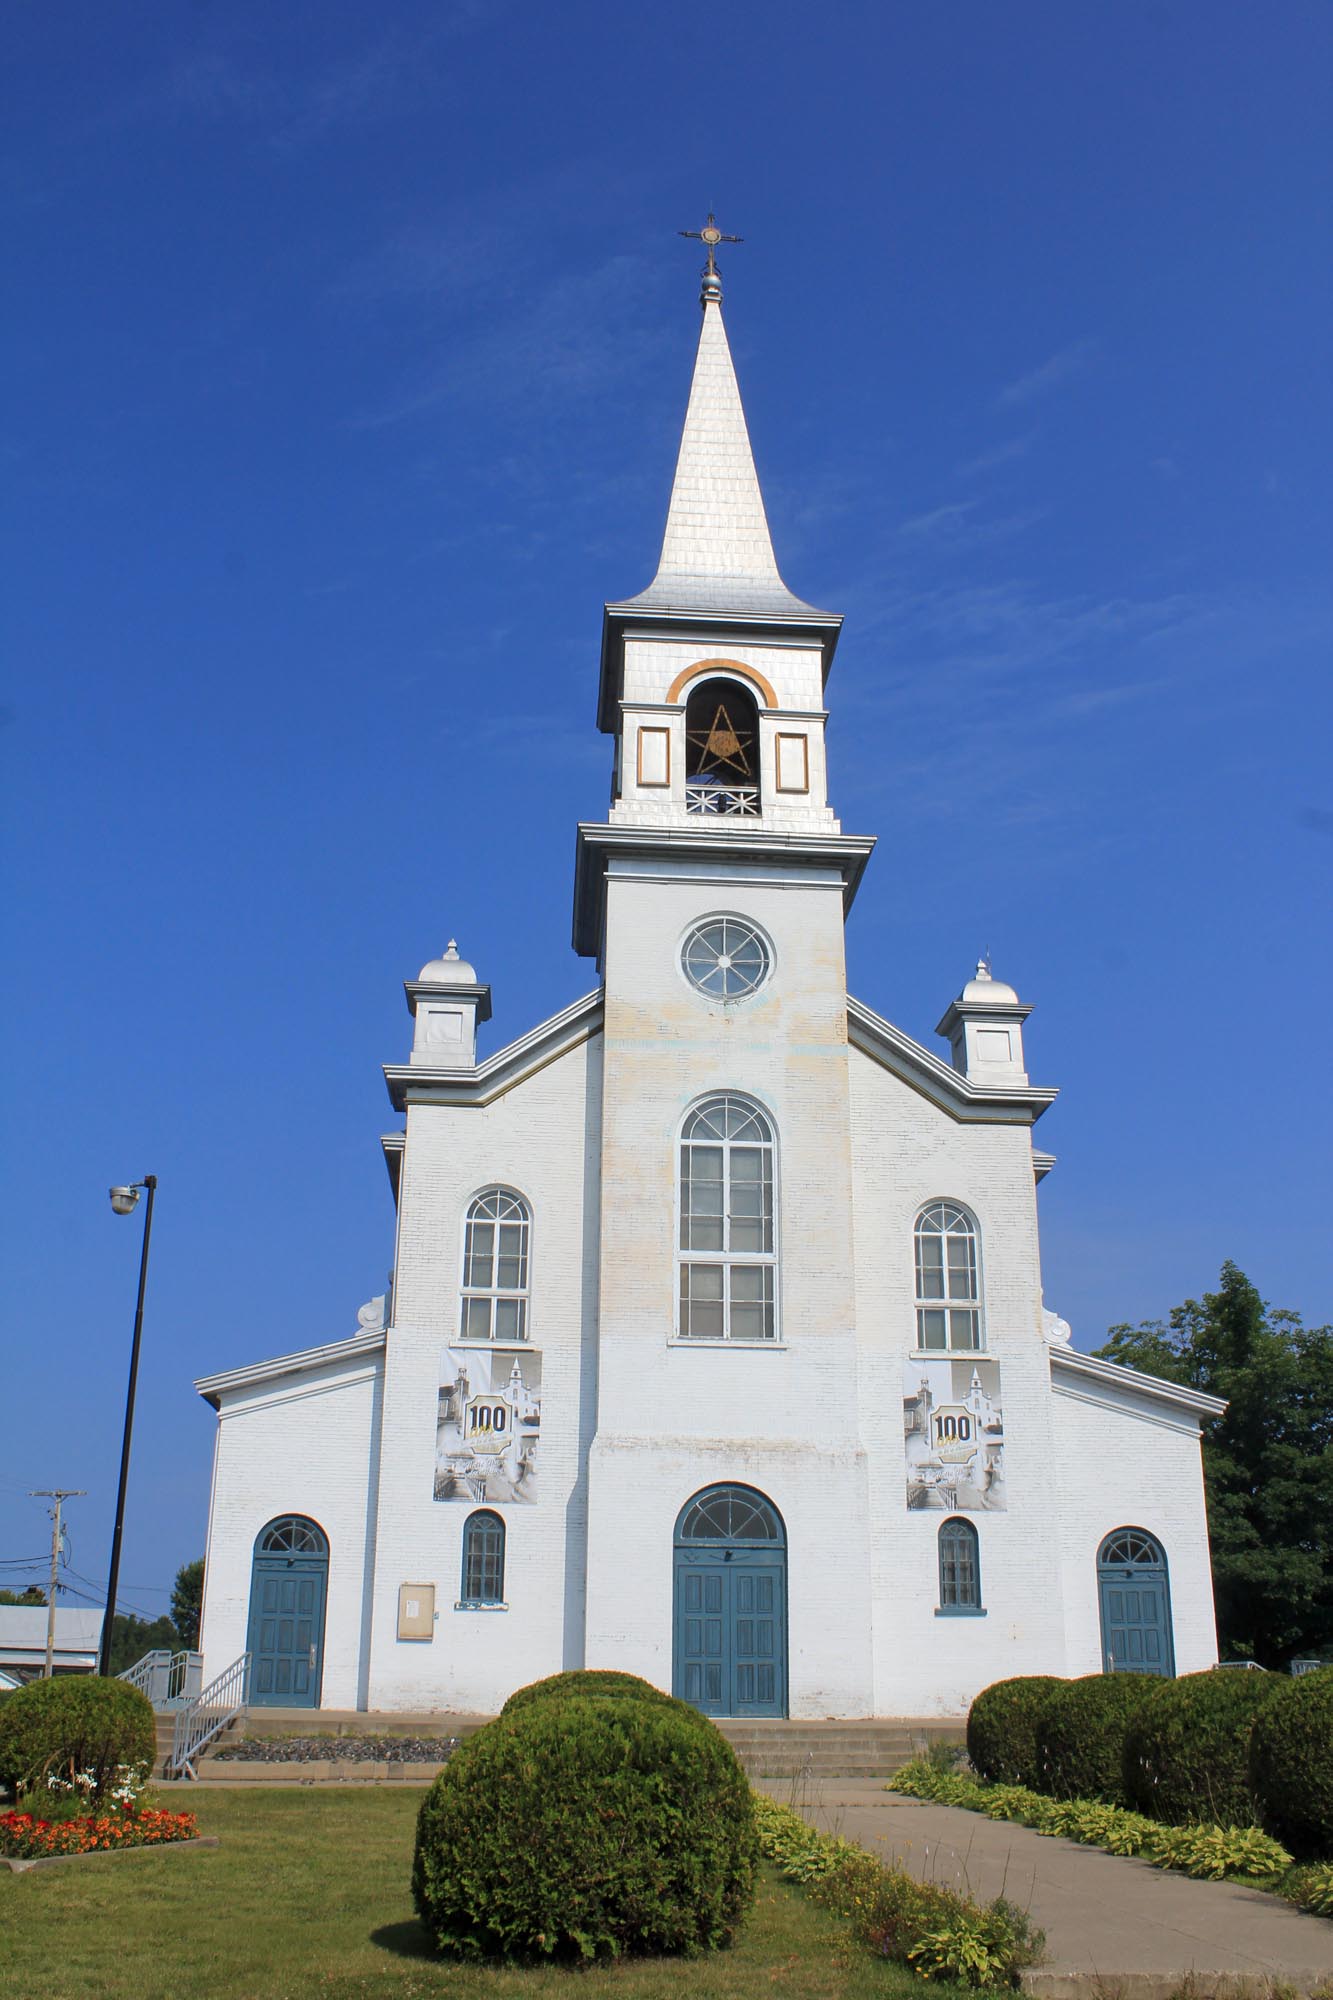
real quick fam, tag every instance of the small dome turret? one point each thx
(451, 970)
(990, 991)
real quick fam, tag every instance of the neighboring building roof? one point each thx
(23, 1636)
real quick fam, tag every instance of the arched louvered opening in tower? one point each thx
(722, 751)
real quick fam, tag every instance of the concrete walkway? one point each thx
(1115, 1929)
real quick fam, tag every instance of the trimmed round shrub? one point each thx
(1081, 1735)
(582, 1682)
(73, 1724)
(1187, 1751)
(1291, 1765)
(586, 1829)
(1002, 1729)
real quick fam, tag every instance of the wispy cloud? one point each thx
(998, 455)
(1059, 367)
(947, 518)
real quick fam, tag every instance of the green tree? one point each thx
(132, 1637)
(34, 1594)
(187, 1601)
(1268, 1460)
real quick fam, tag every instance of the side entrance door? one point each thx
(1135, 1602)
(730, 1639)
(288, 1588)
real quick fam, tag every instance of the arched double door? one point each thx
(289, 1580)
(1134, 1595)
(730, 1613)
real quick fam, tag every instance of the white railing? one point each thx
(200, 1720)
(167, 1678)
(735, 801)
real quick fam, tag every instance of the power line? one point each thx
(60, 1494)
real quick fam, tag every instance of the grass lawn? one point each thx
(308, 1896)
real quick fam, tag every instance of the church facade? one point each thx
(716, 1348)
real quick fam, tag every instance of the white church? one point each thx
(715, 1348)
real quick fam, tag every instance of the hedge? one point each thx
(72, 1725)
(1187, 1750)
(1081, 1735)
(586, 1828)
(582, 1682)
(1291, 1765)
(1002, 1728)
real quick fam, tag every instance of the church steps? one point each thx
(774, 1749)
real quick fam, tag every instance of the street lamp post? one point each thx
(124, 1200)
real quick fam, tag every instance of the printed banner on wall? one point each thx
(489, 1426)
(953, 1424)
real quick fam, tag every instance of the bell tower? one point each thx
(714, 897)
(712, 679)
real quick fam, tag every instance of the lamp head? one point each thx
(124, 1200)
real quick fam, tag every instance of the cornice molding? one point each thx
(937, 1080)
(1092, 1368)
(361, 1345)
(718, 841)
(413, 1083)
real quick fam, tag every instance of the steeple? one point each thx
(717, 553)
(717, 573)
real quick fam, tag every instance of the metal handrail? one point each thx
(166, 1678)
(199, 1721)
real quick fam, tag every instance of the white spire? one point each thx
(717, 554)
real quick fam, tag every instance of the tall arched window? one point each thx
(948, 1294)
(960, 1566)
(495, 1267)
(728, 1256)
(483, 1559)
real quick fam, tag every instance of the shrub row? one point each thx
(1205, 1851)
(1234, 1748)
(582, 1826)
(76, 1727)
(931, 1929)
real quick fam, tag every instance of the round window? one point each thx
(726, 958)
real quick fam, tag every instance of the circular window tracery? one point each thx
(726, 958)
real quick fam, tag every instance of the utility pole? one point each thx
(59, 1494)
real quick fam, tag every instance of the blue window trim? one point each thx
(478, 1604)
(961, 1611)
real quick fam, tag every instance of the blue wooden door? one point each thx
(1135, 1601)
(730, 1642)
(288, 1586)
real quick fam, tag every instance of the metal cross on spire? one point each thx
(710, 235)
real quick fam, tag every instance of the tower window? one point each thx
(728, 1260)
(725, 958)
(948, 1297)
(495, 1267)
(722, 751)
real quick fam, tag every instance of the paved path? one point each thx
(1115, 1928)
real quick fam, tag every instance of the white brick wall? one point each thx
(307, 1445)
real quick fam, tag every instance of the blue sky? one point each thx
(346, 357)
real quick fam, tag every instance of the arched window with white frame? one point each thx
(728, 1227)
(948, 1281)
(496, 1249)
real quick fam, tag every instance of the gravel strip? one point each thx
(338, 1750)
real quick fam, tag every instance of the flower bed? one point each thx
(933, 1930)
(1209, 1853)
(25, 1837)
(336, 1750)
